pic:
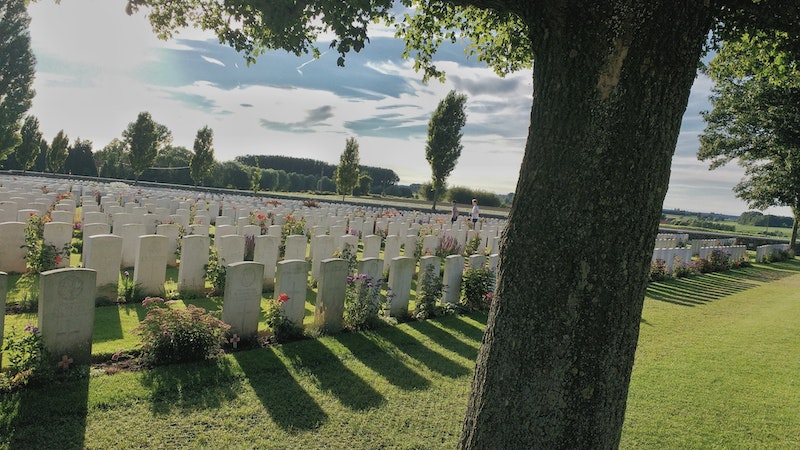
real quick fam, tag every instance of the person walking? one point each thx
(475, 214)
(454, 217)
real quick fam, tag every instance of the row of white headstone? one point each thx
(67, 296)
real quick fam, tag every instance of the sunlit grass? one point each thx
(717, 367)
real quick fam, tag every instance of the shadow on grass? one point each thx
(107, 325)
(446, 340)
(190, 386)
(332, 375)
(701, 289)
(289, 405)
(412, 347)
(460, 324)
(381, 361)
(62, 404)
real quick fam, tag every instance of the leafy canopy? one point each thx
(496, 36)
(756, 119)
(16, 72)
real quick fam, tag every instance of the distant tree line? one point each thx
(758, 219)
(381, 178)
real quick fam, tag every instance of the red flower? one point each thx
(58, 259)
(283, 298)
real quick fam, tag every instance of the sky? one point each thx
(98, 68)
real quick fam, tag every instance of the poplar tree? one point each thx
(203, 157)
(29, 148)
(444, 140)
(57, 153)
(347, 170)
(16, 73)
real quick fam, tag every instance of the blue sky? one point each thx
(98, 68)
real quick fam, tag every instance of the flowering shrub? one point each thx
(348, 254)
(658, 270)
(682, 271)
(472, 246)
(41, 256)
(77, 231)
(448, 245)
(283, 330)
(26, 355)
(719, 261)
(429, 292)
(778, 256)
(128, 290)
(178, 335)
(477, 284)
(262, 220)
(290, 227)
(216, 271)
(362, 303)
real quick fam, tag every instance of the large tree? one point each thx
(347, 171)
(112, 161)
(144, 138)
(755, 117)
(16, 72)
(203, 157)
(611, 83)
(57, 153)
(80, 159)
(172, 165)
(29, 148)
(444, 140)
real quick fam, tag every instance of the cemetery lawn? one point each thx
(718, 366)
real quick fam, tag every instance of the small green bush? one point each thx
(283, 329)
(170, 335)
(26, 355)
(658, 270)
(683, 271)
(429, 293)
(477, 286)
(362, 303)
(216, 271)
(128, 290)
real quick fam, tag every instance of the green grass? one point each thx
(717, 367)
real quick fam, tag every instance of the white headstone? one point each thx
(150, 269)
(66, 314)
(329, 307)
(292, 279)
(242, 298)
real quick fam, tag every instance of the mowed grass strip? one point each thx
(717, 367)
(722, 371)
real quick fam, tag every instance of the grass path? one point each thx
(718, 366)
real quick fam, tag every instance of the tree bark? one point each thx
(611, 83)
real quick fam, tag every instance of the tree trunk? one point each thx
(611, 83)
(795, 216)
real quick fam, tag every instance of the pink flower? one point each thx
(283, 298)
